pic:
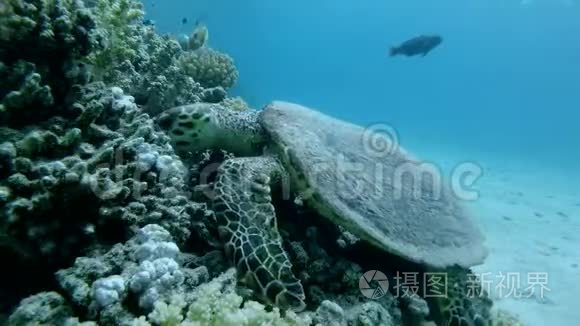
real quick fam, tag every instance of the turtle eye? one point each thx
(165, 120)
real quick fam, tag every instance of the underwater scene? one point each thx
(269, 163)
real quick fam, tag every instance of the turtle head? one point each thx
(192, 128)
(198, 127)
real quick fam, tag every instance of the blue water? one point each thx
(504, 83)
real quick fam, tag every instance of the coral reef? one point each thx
(80, 162)
(39, 30)
(41, 44)
(216, 303)
(27, 92)
(46, 308)
(137, 59)
(146, 270)
(107, 171)
(104, 164)
(210, 68)
(151, 67)
(119, 23)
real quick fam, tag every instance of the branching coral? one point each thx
(119, 22)
(217, 304)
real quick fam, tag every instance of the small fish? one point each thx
(198, 37)
(422, 45)
(184, 20)
(148, 22)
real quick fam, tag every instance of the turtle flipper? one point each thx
(247, 226)
(466, 302)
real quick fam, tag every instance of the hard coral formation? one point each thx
(119, 24)
(41, 44)
(105, 283)
(139, 60)
(80, 162)
(26, 91)
(98, 162)
(145, 270)
(150, 66)
(47, 308)
(84, 155)
(72, 184)
(210, 68)
(217, 304)
(36, 29)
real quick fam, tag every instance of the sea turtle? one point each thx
(355, 177)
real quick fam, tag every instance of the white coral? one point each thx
(152, 250)
(122, 103)
(154, 279)
(155, 242)
(168, 166)
(108, 290)
(158, 272)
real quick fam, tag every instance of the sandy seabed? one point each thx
(530, 215)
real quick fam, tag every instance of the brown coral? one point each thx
(210, 68)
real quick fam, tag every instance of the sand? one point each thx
(530, 214)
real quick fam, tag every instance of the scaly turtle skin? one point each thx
(335, 168)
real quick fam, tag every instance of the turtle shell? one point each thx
(363, 180)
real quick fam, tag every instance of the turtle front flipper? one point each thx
(466, 303)
(247, 226)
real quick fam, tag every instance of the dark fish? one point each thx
(418, 45)
(184, 20)
(148, 22)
